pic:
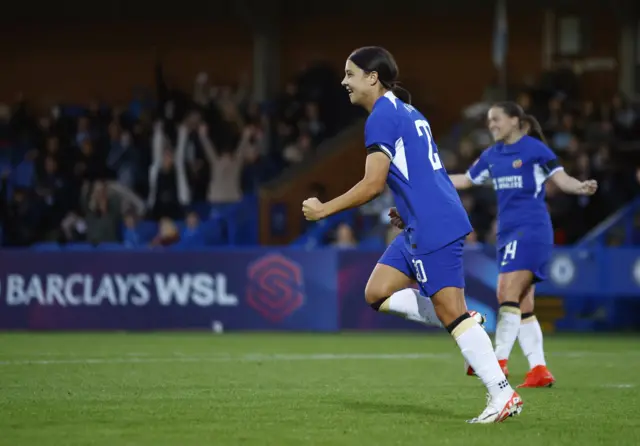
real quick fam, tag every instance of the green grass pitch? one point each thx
(300, 389)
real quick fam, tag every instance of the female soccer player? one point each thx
(402, 153)
(519, 165)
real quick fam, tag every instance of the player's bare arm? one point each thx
(372, 185)
(571, 185)
(460, 181)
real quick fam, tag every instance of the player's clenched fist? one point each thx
(396, 220)
(313, 209)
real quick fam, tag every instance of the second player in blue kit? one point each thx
(401, 152)
(518, 172)
(518, 166)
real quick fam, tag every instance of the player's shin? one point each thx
(477, 350)
(530, 338)
(409, 304)
(507, 329)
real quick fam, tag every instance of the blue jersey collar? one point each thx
(509, 148)
(388, 96)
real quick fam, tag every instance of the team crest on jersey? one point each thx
(517, 164)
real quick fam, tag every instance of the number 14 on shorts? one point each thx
(509, 252)
(421, 275)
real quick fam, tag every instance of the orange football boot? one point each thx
(503, 366)
(539, 376)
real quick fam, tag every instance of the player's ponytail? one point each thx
(401, 93)
(528, 123)
(531, 125)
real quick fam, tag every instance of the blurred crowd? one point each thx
(98, 172)
(93, 172)
(593, 140)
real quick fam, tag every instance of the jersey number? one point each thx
(424, 130)
(510, 252)
(421, 275)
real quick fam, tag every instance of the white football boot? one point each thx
(507, 404)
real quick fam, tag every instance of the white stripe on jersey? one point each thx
(400, 160)
(540, 177)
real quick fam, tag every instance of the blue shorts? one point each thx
(434, 271)
(522, 255)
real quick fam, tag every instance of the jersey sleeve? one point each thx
(548, 161)
(479, 171)
(381, 134)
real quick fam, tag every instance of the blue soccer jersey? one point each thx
(424, 196)
(519, 172)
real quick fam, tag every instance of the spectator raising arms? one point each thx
(225, 168)
(168, 186)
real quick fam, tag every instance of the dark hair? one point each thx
(375, 58)
(527, 122)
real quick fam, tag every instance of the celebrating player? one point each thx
(519, 165)
(402, 153)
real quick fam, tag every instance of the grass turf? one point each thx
(299, 389)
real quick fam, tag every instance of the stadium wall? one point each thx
(445, 58)
(282, 289)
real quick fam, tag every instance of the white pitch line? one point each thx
(590, 354)
(243, 358)
(142, 358)
(618, 386)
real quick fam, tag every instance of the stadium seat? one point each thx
(46, 246)
(147, 230)
(79, 247)
(111, 246)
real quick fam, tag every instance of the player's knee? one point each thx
(508, 293)
(375, 295)
(526, 306)
(504, 296)
(372, 295)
